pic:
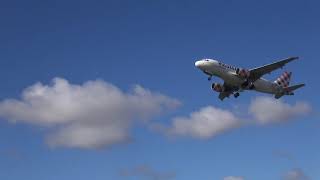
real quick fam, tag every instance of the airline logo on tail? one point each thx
(284, 79)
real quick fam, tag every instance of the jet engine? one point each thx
(217, 87)
(243, 73)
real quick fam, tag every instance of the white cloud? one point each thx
(233, 178)
(210, 121)
(97, 113)
(90, 115)
(295, 174)
(205, 123)
(268, 110)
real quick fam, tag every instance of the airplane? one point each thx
(237, 79)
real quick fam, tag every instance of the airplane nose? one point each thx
(197, 64)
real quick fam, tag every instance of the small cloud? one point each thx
(90, 115)
(269, 110)
(205, 123)
(295, 174)
(148, 173)
(233, 178)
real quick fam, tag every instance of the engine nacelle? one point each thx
(217, 87)
(243, 73)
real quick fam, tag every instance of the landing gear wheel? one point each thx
(209, 78)
(236, 95)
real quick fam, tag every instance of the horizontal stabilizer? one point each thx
(294, 87)
(289, 90)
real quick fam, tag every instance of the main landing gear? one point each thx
(248, 84)
(237, 94)
(209, 78)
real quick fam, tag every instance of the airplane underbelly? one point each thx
(232, 79)
(265, 86)
(260, 85)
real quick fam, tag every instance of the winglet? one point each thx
(292, 58)
(289, 59)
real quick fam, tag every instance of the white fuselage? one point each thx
(228, 74)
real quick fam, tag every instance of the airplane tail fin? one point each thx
(289, 90)
(284, 79)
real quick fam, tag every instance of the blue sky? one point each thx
(155, 44)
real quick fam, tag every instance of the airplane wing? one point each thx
(258, 72)
(228, 90)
